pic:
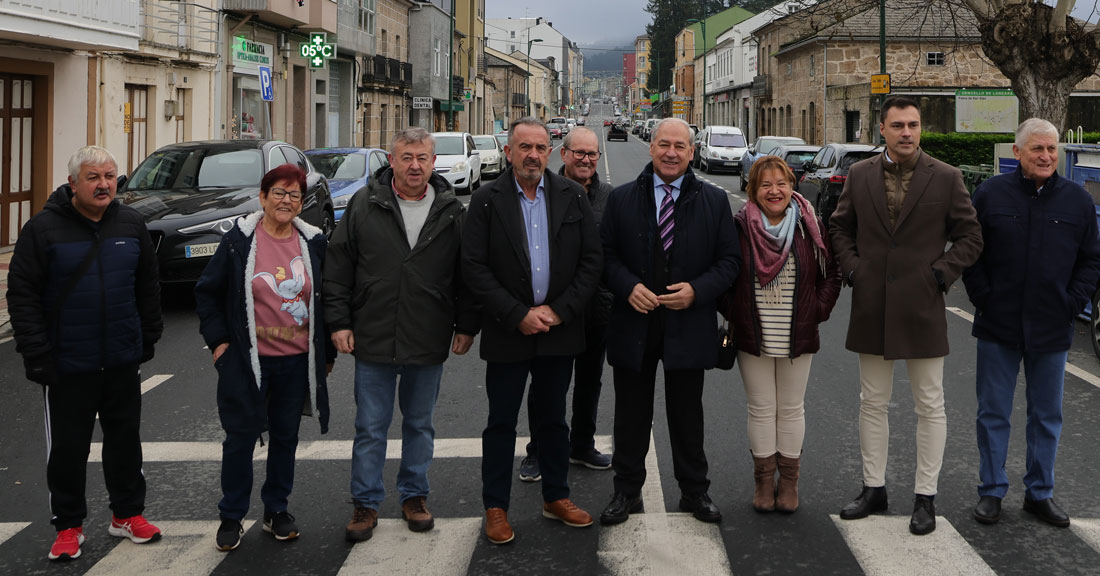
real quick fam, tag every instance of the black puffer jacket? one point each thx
(112, 312)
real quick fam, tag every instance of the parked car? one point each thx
(502, 139)
(763, 146)
(570, 124)
(796, 156)
(637, 128)
(457, 160)
(720, 148)
(555, 130)
(348, 171)
(647, 129)
(580, 121)
(617, 132)
(606, 123)
(825, 174)
(192, 192)
(492, 155)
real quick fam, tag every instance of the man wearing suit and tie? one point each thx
(531, 256)
(897, 212)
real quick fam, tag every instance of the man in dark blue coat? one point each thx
(1037, 272)
(84, 298)
(670, 249)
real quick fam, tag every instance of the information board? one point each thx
(986, 111)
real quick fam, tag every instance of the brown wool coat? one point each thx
(897, 304)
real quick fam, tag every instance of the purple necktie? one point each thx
(665, 220)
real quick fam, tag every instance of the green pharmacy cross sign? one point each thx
(317, 50)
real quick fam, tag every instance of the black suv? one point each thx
(825, 174)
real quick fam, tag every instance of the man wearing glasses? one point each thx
(580, 154)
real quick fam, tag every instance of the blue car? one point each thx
(348, 171)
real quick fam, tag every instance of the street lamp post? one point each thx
(703, 24)
(528, 89)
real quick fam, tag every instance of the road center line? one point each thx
(1070, 368)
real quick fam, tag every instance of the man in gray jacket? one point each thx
(394, 297)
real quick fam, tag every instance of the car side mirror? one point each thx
(808, 166)
(121, 181)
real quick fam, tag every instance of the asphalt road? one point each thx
(182, 446)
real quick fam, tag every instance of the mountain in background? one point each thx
(607, 58)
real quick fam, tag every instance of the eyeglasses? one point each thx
(279, 194)
(581, 154)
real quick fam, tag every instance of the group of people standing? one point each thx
(557, 272)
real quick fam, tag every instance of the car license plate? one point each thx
(200, 250)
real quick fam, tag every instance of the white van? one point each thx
(720, 148)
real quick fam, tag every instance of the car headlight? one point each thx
(219, 227)
(714, 154)
(459, 167)
(341, 202)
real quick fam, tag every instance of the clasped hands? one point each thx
(539, 319)
(681, 296)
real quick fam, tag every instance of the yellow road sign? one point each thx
(880, 84)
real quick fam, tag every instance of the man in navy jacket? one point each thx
(1037, 272)
(84, 298)
(670, 249)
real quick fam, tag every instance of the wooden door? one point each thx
(16, 148)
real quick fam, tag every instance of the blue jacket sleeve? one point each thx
(211, 295)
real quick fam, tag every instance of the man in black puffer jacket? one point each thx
(84, 299)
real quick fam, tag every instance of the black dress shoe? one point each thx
(700, 506)
(924, 516)
(1047, 511)
(620, 508)
(870, 500)
(988, 510)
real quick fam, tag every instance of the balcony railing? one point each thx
(519, 100)
(183, 26)
(406, 75)
(762, 85)
(394, 76)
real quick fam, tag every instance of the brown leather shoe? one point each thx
(763, 472)
(361, 527)
(497, 528)
(566, 511)
(415, 512)
(786, 498)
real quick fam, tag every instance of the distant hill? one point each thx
(605, 59)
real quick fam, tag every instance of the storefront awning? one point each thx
(448, 106)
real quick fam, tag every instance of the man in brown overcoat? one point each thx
(897, 212)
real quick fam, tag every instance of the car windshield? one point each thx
(727, 140)
(448, 145)
(484, 143)
(337, 166)
(502, 139)
(853, 157)
(798, 158)
(198, 168)
(768, 145)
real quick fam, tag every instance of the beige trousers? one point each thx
(876, 379)
(774, 392)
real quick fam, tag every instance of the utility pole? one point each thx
(451, 73)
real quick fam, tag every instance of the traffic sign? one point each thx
(317, 50)
(880, 84)
(422, 103)
(267, 91)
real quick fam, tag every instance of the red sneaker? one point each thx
(67, 545)
(136, 528)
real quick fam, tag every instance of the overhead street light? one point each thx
(528, 89)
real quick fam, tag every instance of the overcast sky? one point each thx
(582, 21)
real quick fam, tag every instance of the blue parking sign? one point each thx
(267, 91)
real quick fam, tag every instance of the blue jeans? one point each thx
(284, 382)
(998, 367)
(375, 385)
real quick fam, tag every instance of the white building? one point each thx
(510, 35)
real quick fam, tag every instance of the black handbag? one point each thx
(727, 352)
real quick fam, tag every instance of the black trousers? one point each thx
(504, 384)
(587, 385)
(634, 392)
(71, 408)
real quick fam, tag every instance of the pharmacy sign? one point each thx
(317, 50)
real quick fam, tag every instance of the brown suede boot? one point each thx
(786, 499)
(763, 499)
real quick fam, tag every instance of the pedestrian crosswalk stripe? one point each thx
(883, 546)
(9, 529)
(442, 551)
(153, 382)
(1087, 529)
(186, 548)
(319, 450)
(656, 543)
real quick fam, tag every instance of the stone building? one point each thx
(509, 77)
(814, 77)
